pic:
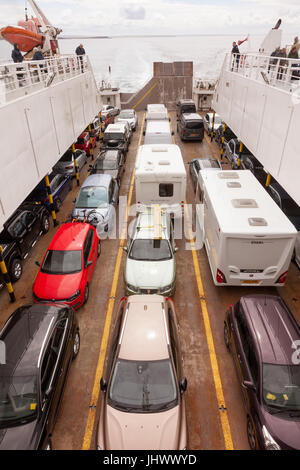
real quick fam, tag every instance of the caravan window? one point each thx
(166, 190)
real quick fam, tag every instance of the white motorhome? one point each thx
(248, 239)
(158, 132)
(160, 178)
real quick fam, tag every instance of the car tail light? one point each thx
(220, 277)
(182, 204)
(70, 167)
(282, 278)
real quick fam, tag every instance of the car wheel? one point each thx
(58, 205)
(99, 250)
(45, 224)
(15, 270)
(251, 434)
(76, 345)
(86, 293)
(226, 336)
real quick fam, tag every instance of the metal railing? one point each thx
(17, 79)
(204, 84)
(280, 72)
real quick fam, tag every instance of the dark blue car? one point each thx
(60, 186)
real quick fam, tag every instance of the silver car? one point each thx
(96, 201)
(130, 116)
(66, 166)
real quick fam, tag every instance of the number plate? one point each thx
(250, 282)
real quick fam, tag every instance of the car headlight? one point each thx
(132, 288)
(166, 288)
(270, 443)
(70, 299)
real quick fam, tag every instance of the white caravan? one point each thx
(158, 132)
(248, 239)
(160, 178)
(157, 112)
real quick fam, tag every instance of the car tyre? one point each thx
(226, 336)
(15, 270)
(45, 224)
(251, 434)
(76, 345)
(86, 293)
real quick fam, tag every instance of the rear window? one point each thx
(194, 125)
(113, 136)
(188, 108)
(80, 140)
(166, 190)
(67, 157)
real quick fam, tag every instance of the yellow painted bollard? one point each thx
(222, 144)
(101, 126)
(91, 142)
(268, 180)
(240, 154)
(6, 277)
(50, 199)
(75, 164)
(212, 127)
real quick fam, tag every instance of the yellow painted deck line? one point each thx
(144, 96)
(211, 347)
(210, 343)
(86, 444)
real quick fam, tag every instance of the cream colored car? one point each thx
(143, 404)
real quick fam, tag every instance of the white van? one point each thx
(158, 132)
(160, 178)
(248, 239)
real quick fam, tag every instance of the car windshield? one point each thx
(150, 250)
(194, 125)
(62, 262)
(281, 386)
(188, 109)
(113, 136)
(106, 164)
(18, 399)
(92, 197)
(143, 386)
(80, 140)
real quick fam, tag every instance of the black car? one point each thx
(109, 162)
(20, 234)
(185, 106)
(286, 203)
(262, 336)
(204, 163)
(115, 137)
(249, 162)
(190, 127)
(40, 342)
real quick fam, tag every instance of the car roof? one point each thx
(145, 228)
(24, 335)
(117, 127)
(97, 180)
(70, 236)
(273, 326)
(144, 335)
(209, 162)
(192, 117)
(186, 101)
(127, 110)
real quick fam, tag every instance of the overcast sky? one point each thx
(122, 17)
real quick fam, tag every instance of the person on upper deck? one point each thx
(80, 50)
(235, 50)
(293, 54)
(283, 63)
(16, 54)
(38, 55)
(296, 43)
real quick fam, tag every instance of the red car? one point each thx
(83, 142)
(109, 118)
(68, 266)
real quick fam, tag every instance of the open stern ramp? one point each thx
(44, 106)
(258, 97)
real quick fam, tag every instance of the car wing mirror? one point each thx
(176, 249)
(89, 263)
(183, 385)
(249, 385)
(74, 200)
(125, 248)
(103, 384)
(38, 264)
